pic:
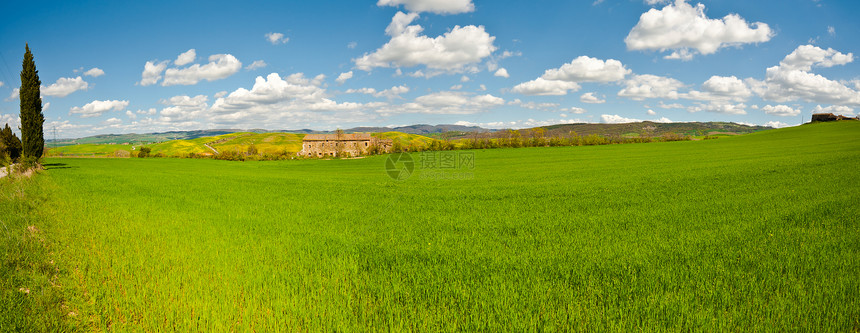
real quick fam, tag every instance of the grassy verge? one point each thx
(30, 294)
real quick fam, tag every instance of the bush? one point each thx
(144, 152)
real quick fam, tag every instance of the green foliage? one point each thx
(144, 152)
(32, 119)
(667, 237)
(10, 145)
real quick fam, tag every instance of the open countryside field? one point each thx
(752, 233)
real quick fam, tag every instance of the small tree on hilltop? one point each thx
(32, 119)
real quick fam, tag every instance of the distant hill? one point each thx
(645, 128)
(442, 131)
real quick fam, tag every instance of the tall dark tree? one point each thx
(32, 119)
(10, 143)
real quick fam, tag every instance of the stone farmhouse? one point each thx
(830, 117)
(320, 145)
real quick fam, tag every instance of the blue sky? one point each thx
(123, 67)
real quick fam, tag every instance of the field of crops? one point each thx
(752, 233)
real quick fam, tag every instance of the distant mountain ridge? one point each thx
(645, 127)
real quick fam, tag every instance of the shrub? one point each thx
(144, 152)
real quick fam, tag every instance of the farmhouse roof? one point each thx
(336, 137)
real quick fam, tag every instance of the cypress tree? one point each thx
(10, 143)
(32, 119)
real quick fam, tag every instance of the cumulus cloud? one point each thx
(64, 86)
(719, 107)
(185, 58)
(533, 105)
(686, 30)
(256, 64)
(651, 112)
(792, 79)
(806, 56)
(220, 66)
(130, 115)
(645, 86)
(616, 119)
(445, 102)
(544, 87)
(343, 77)
(13, 120)
(721, 88)
(591, 99)
(13, 95)
(152, 72)
(451, 52)
(433, 6)
(94, 72)
(183, 111)
(558, 81)
(502, 73)
(97, 108)
(777, 124)
(781, 110)
(392, 92)
(277, 38)
(276, 100)
(574, 109)
(2, 84)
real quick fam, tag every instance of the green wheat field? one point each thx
(759, 232)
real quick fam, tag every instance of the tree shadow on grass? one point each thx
(52, 166)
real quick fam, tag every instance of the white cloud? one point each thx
(558, 81)
(94, 72)
(721, 88)
(112, 121)
(183, 111)
(464, 79)
(806, 56)
(791, 80)
(343, 77)
(456, 87)
(616, 119)
(451, 52)
(686, 30)
(574, 109)
(185, 58)
(2, 84)
(719, 107)
(502, 73)
(64, 86)
(14, 121)
(543, 87)
(533, 105)
(651, 112)
(392, 92)
(152, 72)
(150, 112)
(220, 66)
(651, 86)
(433, 6)
(256, 64)
(445, 102)
(130, 115)
(777, 124)
(669, 106)
(275, 100)
(277, 38)
(831, 30)
(588, 69)
(220, 94)
(97, 108)
(351, 45)
(13, 95)
(591, 99)
(781, 110)
(835, 109)
(482, 88)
